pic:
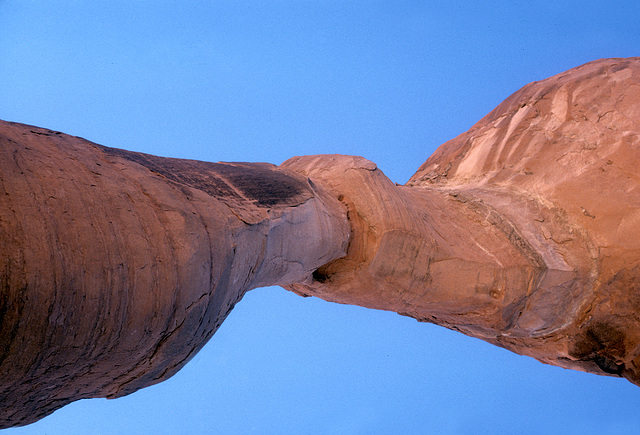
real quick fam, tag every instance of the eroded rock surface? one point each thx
(521, 231)
(116, 267)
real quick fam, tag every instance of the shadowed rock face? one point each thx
(116, 267)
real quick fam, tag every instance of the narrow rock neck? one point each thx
(435, 255)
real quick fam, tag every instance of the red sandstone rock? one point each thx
(559, 160)
(521, 231)
(116, 267)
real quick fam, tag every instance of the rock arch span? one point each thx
(116, 267)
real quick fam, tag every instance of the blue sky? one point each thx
(267, 80)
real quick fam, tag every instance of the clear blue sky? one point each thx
(267, 80)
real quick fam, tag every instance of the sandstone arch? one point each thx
(116, 266)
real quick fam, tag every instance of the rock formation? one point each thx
(116, 267)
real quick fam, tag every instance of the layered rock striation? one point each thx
(116, 267)
(521, 231)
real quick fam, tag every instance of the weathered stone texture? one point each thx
(521, 231)
(116, 267)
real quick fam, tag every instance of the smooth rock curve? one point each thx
(116, 267)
